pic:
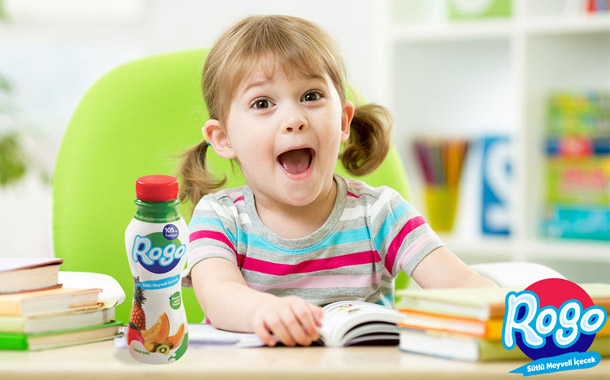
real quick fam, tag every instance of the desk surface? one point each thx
(102, 360)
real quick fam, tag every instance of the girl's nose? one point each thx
(295, 123)
(295, 126)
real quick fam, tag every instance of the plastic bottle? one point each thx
(156, 242)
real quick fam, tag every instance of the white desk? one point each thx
(103, 361)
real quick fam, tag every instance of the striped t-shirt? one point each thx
(370, 236)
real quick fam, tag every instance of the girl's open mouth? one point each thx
(296, 161)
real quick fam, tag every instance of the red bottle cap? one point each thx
(157, 188)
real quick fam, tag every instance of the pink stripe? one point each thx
(390, 256)
(352, 194)
(308, 266)
(205, 234)
(238, 199)
(315, 282)
(417, 246)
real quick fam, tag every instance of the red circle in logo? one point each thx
(555, 292)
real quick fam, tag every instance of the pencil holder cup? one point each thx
(441, 202)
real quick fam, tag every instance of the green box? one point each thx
(479, 9)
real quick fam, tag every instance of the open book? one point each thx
(344, 323)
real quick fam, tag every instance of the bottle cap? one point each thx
(157, 188)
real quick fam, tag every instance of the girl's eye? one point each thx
(261, 104)
(312, 96)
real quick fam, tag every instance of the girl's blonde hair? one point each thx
(293, 44)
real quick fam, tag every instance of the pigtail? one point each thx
(369, 139)
(197, 181)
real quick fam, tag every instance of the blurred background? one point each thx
(501, 107)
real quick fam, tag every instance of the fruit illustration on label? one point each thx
(133, 334)
(175, 339)
(156, 338)
(157, 334)
(163, 349)
(181, 349)
(138, 317)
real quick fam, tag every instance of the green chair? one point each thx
(135, 121)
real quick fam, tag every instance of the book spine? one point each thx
(12, 325)
(576, 146)
(496, 172)
(576, 182)
(572, 222)
(10, 308)
(493, 329)
(603, 302)
(577, 165)
(13, 342)
(496, 310)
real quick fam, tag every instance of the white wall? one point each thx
(52, 51)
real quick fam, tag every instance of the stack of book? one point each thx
(466, 323)
(577, 166)
(37, 313)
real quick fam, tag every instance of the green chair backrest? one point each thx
(135, 121)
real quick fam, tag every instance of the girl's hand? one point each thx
(292, 320)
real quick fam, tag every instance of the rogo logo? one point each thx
(554, 319)
(155, 253)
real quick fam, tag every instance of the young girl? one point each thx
(264, 257)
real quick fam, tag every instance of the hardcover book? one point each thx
(18, 274)
(486, 329)
(48, 301)
(477, 303)
(454, 346)
(62, 338)
(468, 348)
(56, 322)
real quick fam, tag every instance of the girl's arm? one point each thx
(230, 304)
(442, 269)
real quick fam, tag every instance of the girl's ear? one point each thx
(219, 140)
(347, 114)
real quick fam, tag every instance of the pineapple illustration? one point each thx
(138, 317)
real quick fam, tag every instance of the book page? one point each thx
(340, 317)
(20, 263)
(204, 334)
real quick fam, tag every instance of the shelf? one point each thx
(495, 75)
(492, 29)
(569, 25)
(507, 249)
(581, 250)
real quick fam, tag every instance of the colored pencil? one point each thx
(441, 160)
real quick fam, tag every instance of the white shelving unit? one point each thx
(493, 76)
